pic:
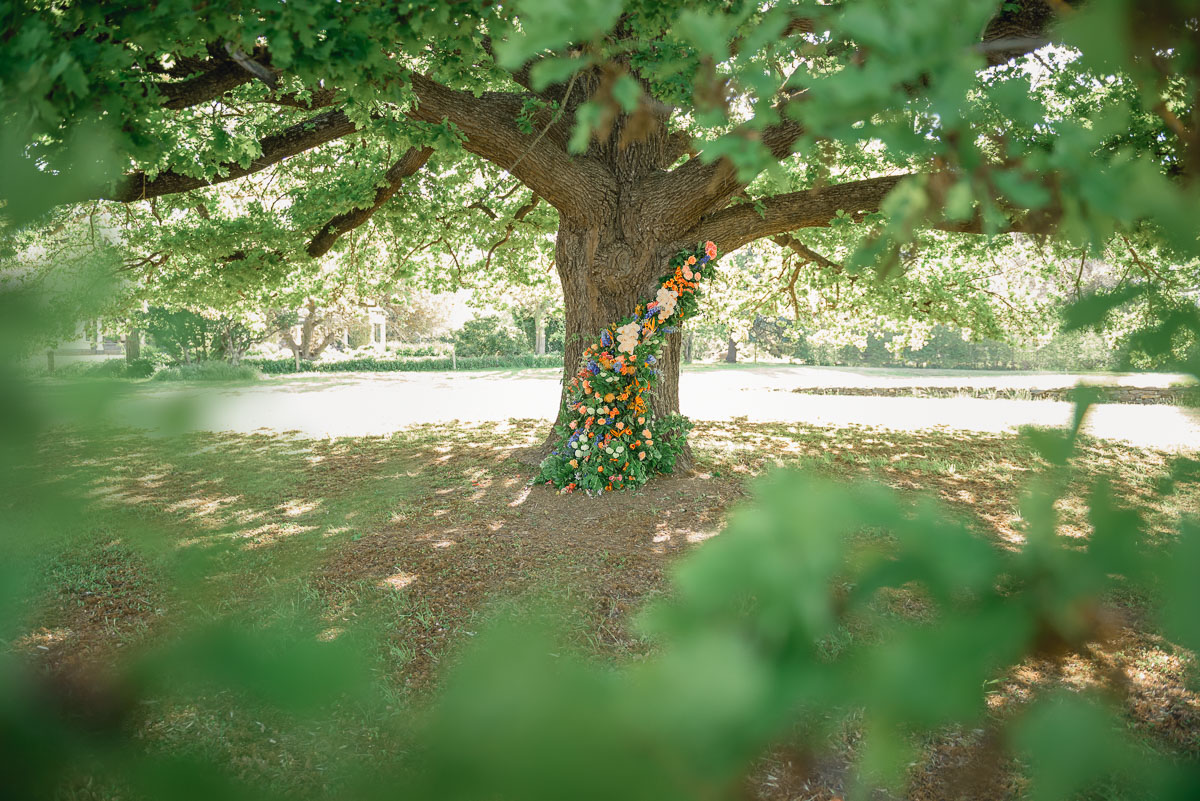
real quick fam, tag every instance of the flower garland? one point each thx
(609, 439)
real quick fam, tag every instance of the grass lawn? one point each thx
(426, 533)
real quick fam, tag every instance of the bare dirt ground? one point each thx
(370, 404)
(433, 526)
(428, 530)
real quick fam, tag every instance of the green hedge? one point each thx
(369, 365)
(208, 371)
(105, 368)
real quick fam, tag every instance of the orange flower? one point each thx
(573, 463)
(609, 397)
(600, 469)
(691, 260)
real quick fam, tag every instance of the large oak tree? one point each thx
(634, 129)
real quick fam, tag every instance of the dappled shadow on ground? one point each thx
(429, 531)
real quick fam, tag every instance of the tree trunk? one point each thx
(133, 345)
(306, 331)
(599, 269)
(539, 331)
(731, 351)
(235, 355)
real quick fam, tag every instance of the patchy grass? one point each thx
(425, 533)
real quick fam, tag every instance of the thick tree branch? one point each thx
(209, 79)
(735, 226)
(699, 188)
(738, 225)
(695, 188)
(317, 98)
(522, 76)
(202, 88)
(413, 160)
(275, 148)
(1014, 32)
(572, 185)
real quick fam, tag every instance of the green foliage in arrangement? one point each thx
(607, 436)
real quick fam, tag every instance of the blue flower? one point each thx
(649, 313)
(591, 365)
(650, 359)
(605, 339)
(670, 329)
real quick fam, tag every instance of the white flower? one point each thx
(578, 452)
(666, 302)
(627, 337)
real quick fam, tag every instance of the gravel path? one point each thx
(378, 403)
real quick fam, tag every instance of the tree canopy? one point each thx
(261, 154)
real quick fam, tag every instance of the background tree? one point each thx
(417, 316)
(631, 128)
(490, 335)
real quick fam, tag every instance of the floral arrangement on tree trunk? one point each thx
(607, 437)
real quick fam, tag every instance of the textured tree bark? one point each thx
(133, 345)
(595, 262)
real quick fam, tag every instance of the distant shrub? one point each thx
(405, 349)
(140, 368)
(490, 336)
(946, 349)
(209, 371)
(107, 368)
(418, 364)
